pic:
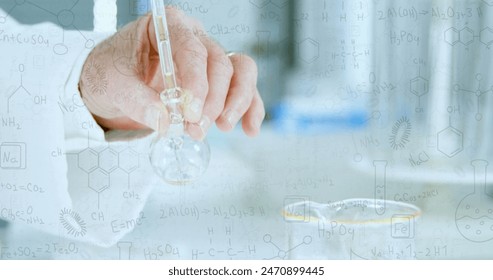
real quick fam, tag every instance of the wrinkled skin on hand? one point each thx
(121, 80)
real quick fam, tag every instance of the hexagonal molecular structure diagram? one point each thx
(119, 179)
(88, 160)
(419, 86)
(259, 3)
(99, 180)
(452, 36)
(486, 36)
(466, 36)
(108, 160)
(128, 160)
(309, 50)
(450, 141)
(280, 3)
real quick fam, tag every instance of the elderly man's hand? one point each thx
(121, 80)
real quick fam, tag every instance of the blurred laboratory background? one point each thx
(388, 102)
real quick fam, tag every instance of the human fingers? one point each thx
(219, 74)
(253, 118)
(241, 92)
(142, 104)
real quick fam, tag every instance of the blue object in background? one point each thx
(288, 119)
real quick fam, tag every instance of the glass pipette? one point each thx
(171, 96)
(176, 157)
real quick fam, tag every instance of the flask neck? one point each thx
(172, 99)
(176, 130)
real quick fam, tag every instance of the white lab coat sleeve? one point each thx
(107, 182)
(52, 175)
(33, 181)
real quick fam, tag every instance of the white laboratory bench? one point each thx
(234, 212)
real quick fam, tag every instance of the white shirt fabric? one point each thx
(57, 172)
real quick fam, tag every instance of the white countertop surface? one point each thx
(235, 211)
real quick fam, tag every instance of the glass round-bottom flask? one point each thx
(179, 160)
(176, 157)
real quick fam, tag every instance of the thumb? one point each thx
(142, 104)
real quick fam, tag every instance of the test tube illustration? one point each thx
(380, 185)
(124, 248)
(263, 41)
(480, 169)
